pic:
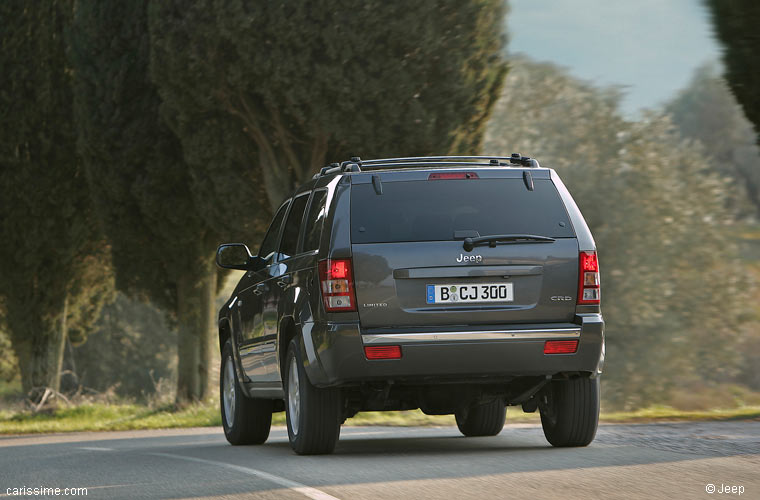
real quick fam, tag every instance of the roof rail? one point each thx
(431, 163)
(515, 158)
(356, 164)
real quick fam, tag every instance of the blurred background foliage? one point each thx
(707, 111)
(8, 362)
(130, 132)
(132, 353)
(662, 218)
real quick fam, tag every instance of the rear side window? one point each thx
(314, 221)
(433, 210)
(269, 245)
(289, 245)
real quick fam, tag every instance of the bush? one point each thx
(131, 352)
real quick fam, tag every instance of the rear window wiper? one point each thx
(492, 240)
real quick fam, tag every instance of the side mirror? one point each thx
(234, 256)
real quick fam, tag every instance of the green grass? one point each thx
(119, 417)
(9, 390)
(102, 417)
(666, 414)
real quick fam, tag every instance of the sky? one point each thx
(649, 47)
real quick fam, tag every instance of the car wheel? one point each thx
(571, 415)
(482, 420)
(245, 420)
(313, 414)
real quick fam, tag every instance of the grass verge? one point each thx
(107, 417)
(668, 414)
(121, 417)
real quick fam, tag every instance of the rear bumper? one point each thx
(335, 353)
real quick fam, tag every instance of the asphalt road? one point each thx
(670, 461)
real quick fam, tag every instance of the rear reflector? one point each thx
(383, 352)
(560, 346)
(452, 175)
(337, 285)
(588, 279)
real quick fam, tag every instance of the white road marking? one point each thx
(307, 491)
(93, 448)
(368, 433)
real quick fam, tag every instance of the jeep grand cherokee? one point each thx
(456, 285)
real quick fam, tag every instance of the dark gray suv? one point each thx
(457, 285)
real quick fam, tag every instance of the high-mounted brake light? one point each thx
(452, 175)
(589, 291)
(383, 352)
(337, 283)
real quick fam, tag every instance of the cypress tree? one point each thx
(162, 247)
(54, 273)
(736, 26)
(305, 83)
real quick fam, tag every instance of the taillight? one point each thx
(588, 279)
(337, 283)
(560, 346)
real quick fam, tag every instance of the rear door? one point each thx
(280, 279)
(411, 267)
(256, 345)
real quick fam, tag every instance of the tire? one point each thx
(249, 418)
(483, 420)
(572, 414)
(313, 414)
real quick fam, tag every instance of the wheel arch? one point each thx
(301, 332)
(287, 331)
(225, 332)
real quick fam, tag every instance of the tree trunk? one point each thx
(318, 155)
(39, 345)
(209, 344)
(272, 172)
(274, 168)
(196, 293)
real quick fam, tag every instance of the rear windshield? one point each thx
(432, 210)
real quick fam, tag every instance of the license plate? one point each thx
(470, 292)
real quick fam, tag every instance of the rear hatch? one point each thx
(411, 267)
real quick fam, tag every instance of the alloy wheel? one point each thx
(294, 396)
